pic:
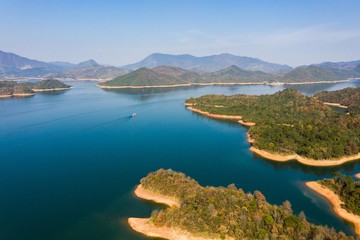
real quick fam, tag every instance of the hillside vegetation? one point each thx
(314, 74)
(349, 97)
(229, 212)
(289, 122)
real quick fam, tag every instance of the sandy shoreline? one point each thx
(181, 85)
(145, 227)
(336, 202)
(148, 195)
(357, 175)
(221, 84)
(50, 89)
(335, 105)
(306, 161)
(219, 116)
(23, 94)
(278, 156)
(5, 96)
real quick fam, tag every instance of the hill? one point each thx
(315, 74)
(290, 126)
(143, 77)
(222, 213)
(208, 63)
(235, 74)
(49, 84)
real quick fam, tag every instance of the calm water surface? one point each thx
(69, 161)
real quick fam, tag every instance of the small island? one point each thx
(343, 192)
(15, 89)
(288, 126)
(203, 213)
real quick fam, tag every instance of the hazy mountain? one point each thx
(236, 74)
(10, 62)
(208, 63)
(65, 65)
(92, 72)
(314, 73)
(351, 65)
(88, 63)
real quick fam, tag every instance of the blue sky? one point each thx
(121, 32)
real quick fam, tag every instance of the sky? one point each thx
(122, 32)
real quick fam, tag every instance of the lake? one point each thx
(69, 161)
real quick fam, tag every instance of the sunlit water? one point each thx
(69, 161)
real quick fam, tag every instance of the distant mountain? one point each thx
(88, 63)
(314, 73)
(208, 63)
(10, 62)
(92, 72)
(236, 74)
(340, 65)
(165, 75)
(65, 65)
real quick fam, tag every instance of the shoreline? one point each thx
(23, 94)
(278, 156)
(222, 84)
(336, 105)
(336, 204)
(306, 161)
(5, 96)
(357, 175)
(50, 89)
(145, 227)
(142, 193)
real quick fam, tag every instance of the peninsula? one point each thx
(208, 213)
(288, 126)
(344, 194)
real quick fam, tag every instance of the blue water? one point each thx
(69, 161)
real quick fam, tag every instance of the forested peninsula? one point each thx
(289, 126)
(13, 88)
(343, 192)
(221, 213)
(348, 98)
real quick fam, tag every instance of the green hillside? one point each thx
(236, 74)
(288, 122)
(224, 213)
(315, 74)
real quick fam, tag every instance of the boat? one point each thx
(133, 114)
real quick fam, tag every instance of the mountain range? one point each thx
(13, 66)
(178, 69)
(208, 63)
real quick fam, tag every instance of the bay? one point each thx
(69, 161)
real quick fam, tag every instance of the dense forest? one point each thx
(229, 212)
(289, 122)
(349, 97)
(347, 189)
(9, 88)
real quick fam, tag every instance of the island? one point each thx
(15, 89)
(343, 192)
(220, 213)
(288, 126)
